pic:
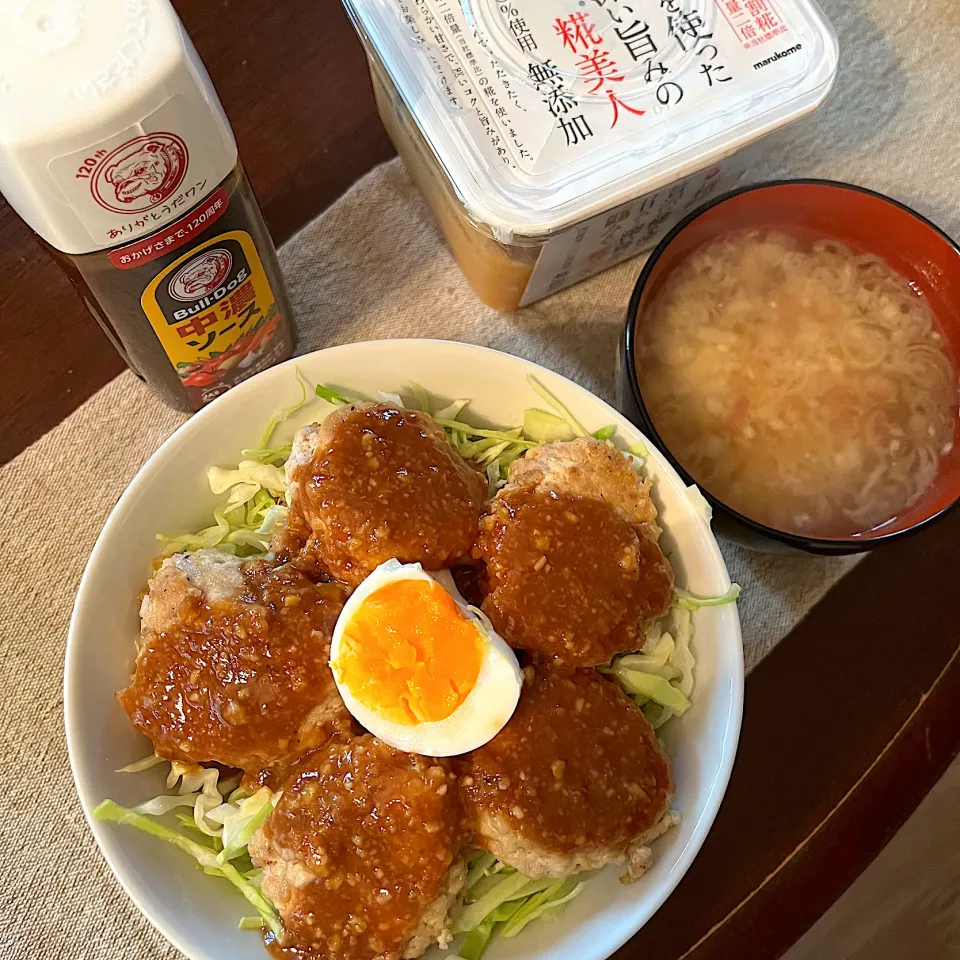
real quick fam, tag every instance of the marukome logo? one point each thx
(201, 275)
(140, 174)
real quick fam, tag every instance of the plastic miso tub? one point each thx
(553, 139)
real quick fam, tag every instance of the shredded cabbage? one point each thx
(278, 456)
(241, 821)
(578, 428)
(140, 765)
(254, 488)
(285, 412)
(385, 397)
(451, 411)
(247, 474)
(224, 819)
(242, 524)
(331, 396)
(660, 677)
(548, 903)
(205, 856)
(424, 402)
(499, 901)
(651, 687)
(546, 427)
(690, 602)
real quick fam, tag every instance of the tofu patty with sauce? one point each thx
(362, 854)
(576, 780)
(232, 665)
(573, 568)
(374, 482)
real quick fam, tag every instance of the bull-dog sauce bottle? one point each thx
(115, 150)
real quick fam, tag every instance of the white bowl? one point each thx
(199, 914)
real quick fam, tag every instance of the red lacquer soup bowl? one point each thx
(868, 223)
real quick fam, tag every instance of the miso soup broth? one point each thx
(804, 385)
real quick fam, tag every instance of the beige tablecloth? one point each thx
(374, 266)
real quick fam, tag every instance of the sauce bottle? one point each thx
(115, 150)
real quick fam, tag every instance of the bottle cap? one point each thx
(109, 125)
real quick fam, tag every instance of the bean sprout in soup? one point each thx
(802, 384)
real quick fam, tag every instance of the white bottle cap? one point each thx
(109, 125)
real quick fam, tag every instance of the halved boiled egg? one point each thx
(418, 667)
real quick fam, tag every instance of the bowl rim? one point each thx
(713, 792)
(856, 543)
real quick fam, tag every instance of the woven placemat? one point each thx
(374, 266)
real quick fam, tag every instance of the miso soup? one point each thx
(804, 385)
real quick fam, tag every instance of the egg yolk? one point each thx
(409, 653)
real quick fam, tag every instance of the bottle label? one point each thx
(177, 234)
(215, 315)
(143, 177)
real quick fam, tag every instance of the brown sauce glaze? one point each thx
(243, 681)
(358, 847)
(294, 543)
(275, 776)
(383, 483)
(569, 577)
(578, 766)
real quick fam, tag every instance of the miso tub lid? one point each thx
(544, 112)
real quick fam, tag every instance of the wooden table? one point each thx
(847, 724)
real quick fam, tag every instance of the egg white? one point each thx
(486, 708)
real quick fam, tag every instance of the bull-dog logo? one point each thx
(201, 276)
(140, 174)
